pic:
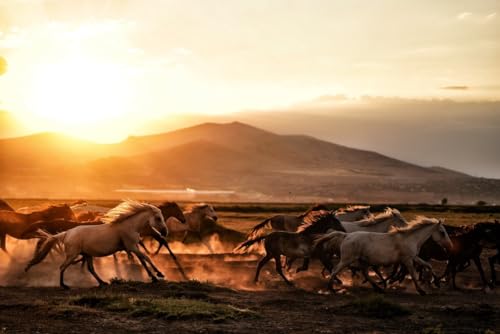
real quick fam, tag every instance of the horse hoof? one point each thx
(65, 287)
(103, 284)
(422, 292)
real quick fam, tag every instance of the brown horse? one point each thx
(14, 223)
(288, 223)
(294, 244)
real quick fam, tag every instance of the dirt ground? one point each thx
(222, 298)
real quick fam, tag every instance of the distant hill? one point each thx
(255, 164)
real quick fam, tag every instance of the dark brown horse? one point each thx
(468, 243)
(294, 244)
(14, 223)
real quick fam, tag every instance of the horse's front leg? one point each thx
(491, 261)
(411, 269)
(364, 270)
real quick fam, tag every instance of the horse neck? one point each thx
(420, 235)
(138, 221)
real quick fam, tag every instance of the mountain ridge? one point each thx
(234, 156)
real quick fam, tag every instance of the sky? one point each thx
(102, 69)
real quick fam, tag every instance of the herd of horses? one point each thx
(352, 237)
(359, 240)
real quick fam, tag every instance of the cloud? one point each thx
(464, 15)
(455, 87)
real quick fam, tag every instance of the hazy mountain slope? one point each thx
(232, 156)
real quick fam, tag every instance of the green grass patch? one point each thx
(376, 307)
(167, 308)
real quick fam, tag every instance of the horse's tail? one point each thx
(245, 245)
(42, 251)
(331, 240)
(257, 228)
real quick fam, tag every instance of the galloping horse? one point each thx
(14, 223)
(400, 245)
(294, 244)
(122, 230)
(196, 215)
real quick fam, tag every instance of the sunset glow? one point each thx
(105, 70)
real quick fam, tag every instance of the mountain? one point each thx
(253, 163)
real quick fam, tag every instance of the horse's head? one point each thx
(157, 221)
(208, 211)
(397, 219)
(172, 209)
(440, 235)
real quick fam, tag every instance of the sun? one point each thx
(77, 94)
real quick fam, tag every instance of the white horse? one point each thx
(382, 249)
(122, 229)
(381, 222)
(353, 213)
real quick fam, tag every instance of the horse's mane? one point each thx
(125, 210)
(418, 223)
(380, 217)
(317, 207)
(352, 208)
(311, 224)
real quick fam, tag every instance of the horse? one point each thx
(381, 222)
(400, 245)
(353, 212)
(14, 223)
(196, 216)
(122, 230)
(5, 206)
(293, 244)
(86, 212)
(467, 245)
(289, 223)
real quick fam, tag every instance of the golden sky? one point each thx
(95, 69)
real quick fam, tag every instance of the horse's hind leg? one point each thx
(491, 261)
(90, 267)
(379, 274)
(262, 262)
(277, 259)
(67, 262)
